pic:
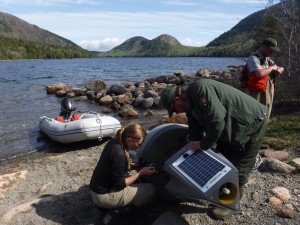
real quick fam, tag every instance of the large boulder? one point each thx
(96, 86)
(127, 111)
(117, 89)
(274, 165)
(147, 103)
(106, 100)
(52, 89)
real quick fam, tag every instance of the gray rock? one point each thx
(90, 95)
(279, 155)
(162, 79)
(156, 101)
(274, 165)
(202, 73)
(147, 84)
(117, 89)
(147, 103)
(95, 86)
(137, 102)
(137, 93)
(149, 93)
(296, 162)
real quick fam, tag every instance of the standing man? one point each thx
(218, 113)
(263, 72)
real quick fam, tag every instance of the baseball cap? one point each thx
(272, 43)
(167, 97)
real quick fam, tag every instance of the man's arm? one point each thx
(267, 71)
(195, 129)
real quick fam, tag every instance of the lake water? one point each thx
(24, 99)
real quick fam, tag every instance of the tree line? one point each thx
(13, 48)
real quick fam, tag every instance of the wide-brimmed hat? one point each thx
(272, 43)
(167, 97)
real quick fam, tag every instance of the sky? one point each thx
(100, 25)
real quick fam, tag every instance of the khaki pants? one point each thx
(136, 194)
(265, 98)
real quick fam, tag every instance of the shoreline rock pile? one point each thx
(132, 95)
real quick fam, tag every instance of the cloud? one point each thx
(43, 3)
(241, 1)
(100, 45)
(85, 26)
(189, 42)
(181, 3)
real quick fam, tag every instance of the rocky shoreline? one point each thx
(52, 188)
(126, 98)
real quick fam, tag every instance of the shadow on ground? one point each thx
(77, 208)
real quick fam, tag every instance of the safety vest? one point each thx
(257, 84)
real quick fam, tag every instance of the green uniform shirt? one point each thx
(223, 113)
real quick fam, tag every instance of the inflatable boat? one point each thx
(87, 126)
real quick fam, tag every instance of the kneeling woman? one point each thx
(111, 185)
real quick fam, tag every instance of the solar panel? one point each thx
(201, 168)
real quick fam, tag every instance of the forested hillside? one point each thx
(162, 46)
(22, 40)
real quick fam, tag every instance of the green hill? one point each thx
(22, 40)
(164, 45)
(240, 32)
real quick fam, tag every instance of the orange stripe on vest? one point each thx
(257, 84)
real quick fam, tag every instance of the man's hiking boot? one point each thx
(222, 213)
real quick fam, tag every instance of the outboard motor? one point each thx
(184, 174)
(66, 109)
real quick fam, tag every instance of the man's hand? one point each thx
(194, 145)
(277, 70)
(149, 170)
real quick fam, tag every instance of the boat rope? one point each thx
(100, 125)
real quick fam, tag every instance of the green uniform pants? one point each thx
(244, 159)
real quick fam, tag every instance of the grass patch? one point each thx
(283, 132)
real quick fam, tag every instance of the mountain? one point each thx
(20, 39)
(245, 36)
(240, 32)
(240, 41)
(132, 45)
(163, 45)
